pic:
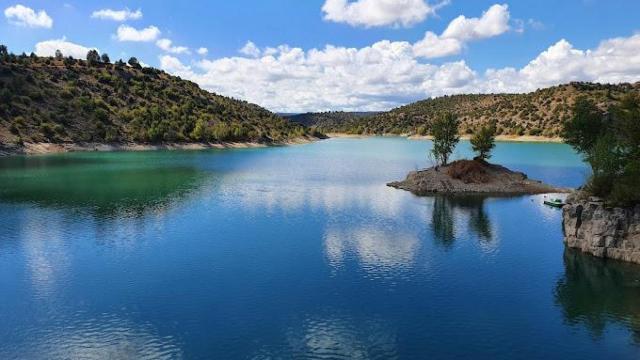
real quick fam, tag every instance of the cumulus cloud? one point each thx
(250, 49)
(202, 51)
(23, 16)
(49, 47)
(372, 13)
(167, 45)
(388, 74)
(117, 15)
(493, 22)
(128, 33)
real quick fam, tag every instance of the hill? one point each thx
(64, 100)
(328, 119)
(539, 113)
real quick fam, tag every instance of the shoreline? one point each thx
(499, 138)
(29, 149)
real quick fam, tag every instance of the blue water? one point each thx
(297, 252)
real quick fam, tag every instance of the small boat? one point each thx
(554, 202)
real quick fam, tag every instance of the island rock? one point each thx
(472, 177)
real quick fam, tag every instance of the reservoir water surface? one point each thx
(297, 252)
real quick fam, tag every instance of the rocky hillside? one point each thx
(63, 100)
(539, 113)
(330, 119)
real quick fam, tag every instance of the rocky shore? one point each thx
(606, 232)
(54, 148)
(472, 177)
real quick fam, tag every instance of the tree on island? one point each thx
(483, 141)
(445, 137)
(610, 142)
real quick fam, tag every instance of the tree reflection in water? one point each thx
(446, 210)
(595, 292)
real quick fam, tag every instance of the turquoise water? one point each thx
(297, 252)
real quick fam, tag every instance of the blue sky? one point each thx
(377, 58)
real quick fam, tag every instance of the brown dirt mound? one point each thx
(469, 171)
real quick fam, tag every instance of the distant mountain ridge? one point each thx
(539, 113)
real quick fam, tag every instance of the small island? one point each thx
(472, 177)
(476, 176)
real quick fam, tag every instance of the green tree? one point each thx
(105, 58)
(4, 52)
(610, 143)
(483, 141)
(134, 63)
(586, 127)
(93, 57)
(59, 55)
(445, 137)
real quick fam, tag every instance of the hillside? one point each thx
(69, 101)
(539, 113)
(329, 119)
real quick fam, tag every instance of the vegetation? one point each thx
(610, 143)
(61, 99)
(540, 113)
(445, 137)
(484, 141)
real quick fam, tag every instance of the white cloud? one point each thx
(128, 33)
(202, 51)
(117, 15)
(371, 13)
(23, 16)
(166, 45)
(250, 49)
(493, 22)
(388, 74)
(49, 47)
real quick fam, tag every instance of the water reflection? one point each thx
(596, 293)
(448, 210)
(106, 336)
(96, 185)
(338, 337)
(380, 251)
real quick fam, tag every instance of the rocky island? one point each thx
(472, 177)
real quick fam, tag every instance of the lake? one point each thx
(297, 252)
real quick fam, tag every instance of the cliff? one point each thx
(591, 226)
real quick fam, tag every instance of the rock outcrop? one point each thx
(591, 226)
(472, 177)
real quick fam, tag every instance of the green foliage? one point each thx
(105, 58)
(586, 127)
(134, 63)
(445, 137)
(483, 141)
(93, 58)
(611, 145)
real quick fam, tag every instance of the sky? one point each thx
(351, 55)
